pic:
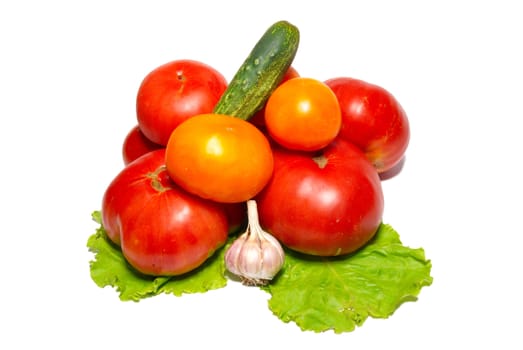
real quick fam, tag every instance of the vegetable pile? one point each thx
(272, 179)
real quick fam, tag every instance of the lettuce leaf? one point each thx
(338, 294)
(109, 268)
(316, 293)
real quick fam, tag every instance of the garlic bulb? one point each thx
(255, 256)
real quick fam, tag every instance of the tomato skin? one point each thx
(162, 229)
(373, 120)
(303, 114)
(219, 157)
(325, 211)
(136, 144)
(236, 216)
(174, 92)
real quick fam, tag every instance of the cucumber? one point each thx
(261, 72)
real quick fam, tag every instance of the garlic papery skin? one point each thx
(255, 256)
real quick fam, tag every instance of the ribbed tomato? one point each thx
(323, 204)
(373, 119)
(161, 228)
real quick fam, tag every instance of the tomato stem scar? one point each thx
(321, 160)
(159, 179)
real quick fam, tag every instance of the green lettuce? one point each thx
(338, 294)
(109, 268)
(318, 294)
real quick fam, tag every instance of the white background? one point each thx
(69, 73)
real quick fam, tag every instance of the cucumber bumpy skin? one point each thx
(261, 72)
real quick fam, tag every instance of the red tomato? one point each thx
(258, 119)
(219, 157)
(327, 205)
(136, 144)
(162, 229)
(174, 92)
(373, 120)
(303, 114)
(236, 215)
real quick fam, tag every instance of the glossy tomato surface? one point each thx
(373, 120)
(136, 144)
(303, 114)
(328, 204)
(174, 92)
(162, 229)
(219, 157)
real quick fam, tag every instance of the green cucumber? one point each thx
(261, 72)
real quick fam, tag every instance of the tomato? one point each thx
(303, 114)
(162, 229)
(236, 216)
(327, 204)
(174, 92)
(219, 157)
(136, 144)
(258, 119)
(373, 120)
(290, 74)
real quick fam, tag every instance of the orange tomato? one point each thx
(303, 114)
(219, 157)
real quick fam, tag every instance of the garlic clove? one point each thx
(255, 256)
